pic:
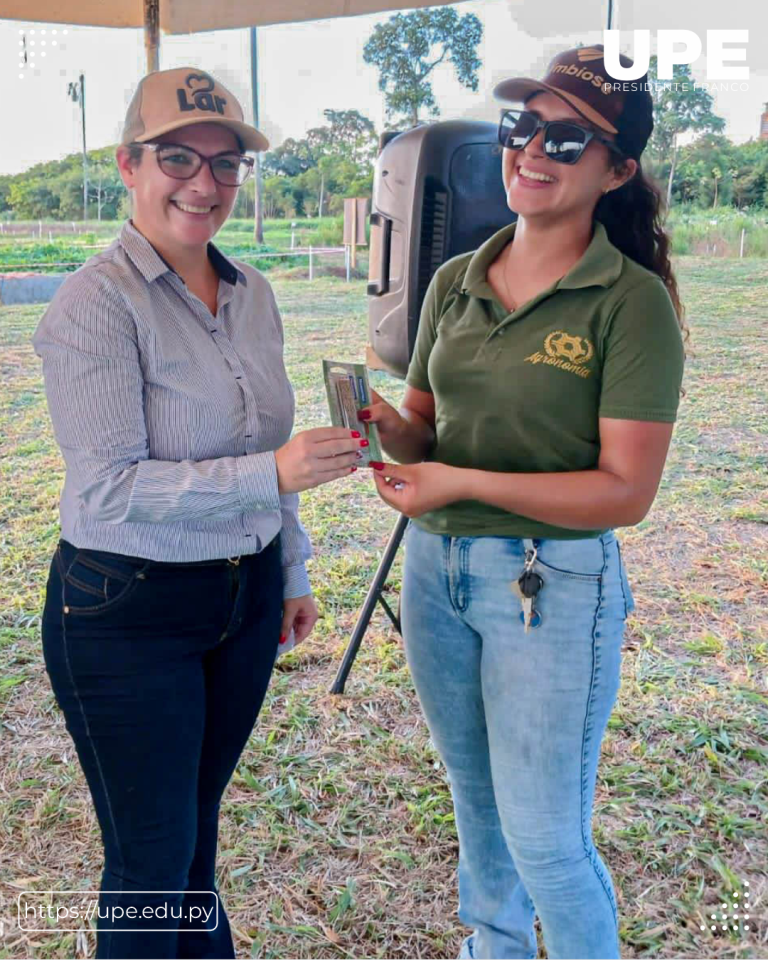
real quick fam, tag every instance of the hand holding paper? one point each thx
(348, 392)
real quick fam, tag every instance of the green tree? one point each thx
(33, 199)
(280, 198)
(409, 47)
(348, 135)
(105, 188)
(679, 106)
(717, 176)
(704, 171)
(290, 159)
(749, 173)
(68, 188)
(324, 166)
(5, 187)
(54, 190)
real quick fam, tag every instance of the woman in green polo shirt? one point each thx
(543, 390)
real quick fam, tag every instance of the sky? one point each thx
(305, 68)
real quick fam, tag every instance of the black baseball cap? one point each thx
(579, 77)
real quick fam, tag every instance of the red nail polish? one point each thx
(283, 638)
(365, 443)
(356, 434)
(364, 415)
(376, 464)
(353, 469)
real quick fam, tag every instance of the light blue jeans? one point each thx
(518, 720)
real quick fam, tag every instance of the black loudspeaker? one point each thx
(437, 192)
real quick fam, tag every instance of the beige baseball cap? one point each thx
(170, 99)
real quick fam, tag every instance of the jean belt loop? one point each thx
(528, 545)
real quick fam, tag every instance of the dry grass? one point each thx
(337, 837)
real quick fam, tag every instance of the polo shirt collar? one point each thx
(224, 267)
(151, 265)
(600, 264)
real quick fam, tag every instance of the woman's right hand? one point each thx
(390, 423)
(316, 456)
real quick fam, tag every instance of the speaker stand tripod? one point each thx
(374, 596)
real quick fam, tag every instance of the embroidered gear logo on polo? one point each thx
(576, 349)
(566, 352)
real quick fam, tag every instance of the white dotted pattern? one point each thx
(735, 916)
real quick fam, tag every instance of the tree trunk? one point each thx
(714, 204)
(320, 204)
(672, 170)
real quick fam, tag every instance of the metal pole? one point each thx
(85, 154)
(741, 247)
(353, 245)
(310, 261)
(369, 605)
(152, 34)
(258, 214)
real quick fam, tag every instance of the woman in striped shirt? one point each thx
(181, 563)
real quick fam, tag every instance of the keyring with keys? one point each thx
(527, 587)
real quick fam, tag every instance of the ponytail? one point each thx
(631, 215)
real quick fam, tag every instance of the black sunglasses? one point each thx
(229, 168)
(564, 142)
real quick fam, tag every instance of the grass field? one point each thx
(61, 252)
(714, 234)
(337, 837)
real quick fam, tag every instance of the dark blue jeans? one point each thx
(160, 670)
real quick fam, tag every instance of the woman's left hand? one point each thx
(417, 488)
(300, 615)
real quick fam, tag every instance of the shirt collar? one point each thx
(600, 264)
(152, 265)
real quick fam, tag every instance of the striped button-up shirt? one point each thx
(167, 416)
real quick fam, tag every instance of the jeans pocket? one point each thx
(576, 560)
(94, 582)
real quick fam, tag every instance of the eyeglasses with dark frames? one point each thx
(564, 141)
(228, 168)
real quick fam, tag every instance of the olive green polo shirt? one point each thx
(522, 392)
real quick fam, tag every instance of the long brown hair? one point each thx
(632, 217)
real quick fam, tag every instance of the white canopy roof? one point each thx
(191, 16)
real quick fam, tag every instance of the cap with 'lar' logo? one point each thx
(170, 99)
